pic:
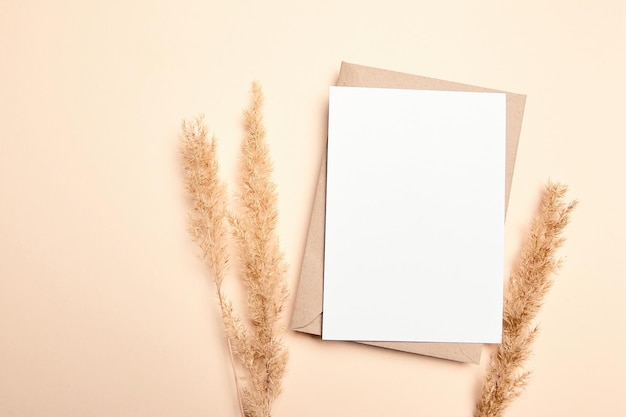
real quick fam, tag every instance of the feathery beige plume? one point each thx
(258, 342)
(263, 267)
(208, 225)
(529, 283)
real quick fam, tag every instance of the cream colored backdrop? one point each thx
(104, 310)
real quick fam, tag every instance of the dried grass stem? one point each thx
(257, 343)
(529, 283)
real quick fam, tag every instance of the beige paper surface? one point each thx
(307, 316)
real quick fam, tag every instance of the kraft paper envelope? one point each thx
(307, 316)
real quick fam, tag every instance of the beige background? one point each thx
(105, 311)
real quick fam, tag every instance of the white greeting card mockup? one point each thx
(414, 216)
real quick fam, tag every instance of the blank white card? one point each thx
(414, 216)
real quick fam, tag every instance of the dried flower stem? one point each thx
(207, 222)
(529, 283)
(258, 345)
(262, 262)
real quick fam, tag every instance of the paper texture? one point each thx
(414, 216)
(307, 316)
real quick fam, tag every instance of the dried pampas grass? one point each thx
(257, 343)
(529, 283)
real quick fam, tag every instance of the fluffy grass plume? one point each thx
(257, 343)
(529, 283)
(208, 225)
(263, 267)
